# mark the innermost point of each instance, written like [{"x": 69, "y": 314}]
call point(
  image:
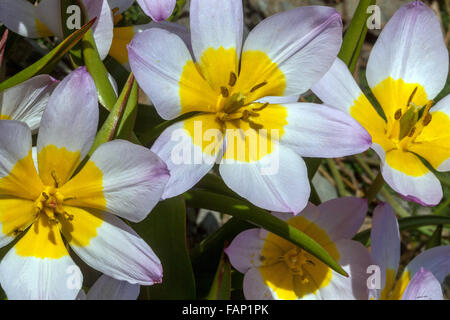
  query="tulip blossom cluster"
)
[{"x": 231, "y": 107}]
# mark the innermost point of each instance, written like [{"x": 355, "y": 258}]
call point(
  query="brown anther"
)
[
  {"x": 68, "y": 216},
  {"x": 427, "y": 119},
  {"x": 262, "y": 84},
  {"x": 411, "y": 133},
  {"x": 225, "y": 92},
  {"x": 412, "y": 96},
  {"x": 233, "y": 79},
  {"x": 262, "y": 107},
  {"x": 45, "y": 195},
  {"x": 253, "y": 125},
  {"x": 311, "y": 262},
  {"x": 17, "y": 231},
  {"x": 398, "y": 114},
  {"x": 55, "y": 178}
]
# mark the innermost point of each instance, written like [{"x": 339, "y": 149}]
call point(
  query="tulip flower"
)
[
  {"x": 44, "y": 204},
  {"x": 407, "y": 68},
  {"x": 44, "y": 20},
  {"x": 276, "y": 269},
  {"x": 240, "y": 100},
  {"x": 415, "y": 278}
]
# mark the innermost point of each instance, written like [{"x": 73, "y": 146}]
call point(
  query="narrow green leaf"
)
[
  {"x": 436, "y": 237},
  {"x": 246, "y": 211},
  {"x": 207, "y": 252},
  {"x": 76, "y": 54},
  {"x": 165, "y": 231},
  {"x": 106, "y": 94},
  {"x": 110, "y": 129},
  {"x": 47, "y": 63},
  {"x": 407, "y": 224},
  {"x": 355, "y": 35},
  {"x": 221, "y": 286}
]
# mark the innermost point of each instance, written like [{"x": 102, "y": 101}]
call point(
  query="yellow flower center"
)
[
  {"x": 408, "y": 123},
  {"x": 290, "y": 271},
  {"x": 296, "y": 259},
  {"x": 234, "y": 107},
  {"x": 50, "y": 202}
]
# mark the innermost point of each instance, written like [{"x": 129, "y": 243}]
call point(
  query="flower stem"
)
[
  {"x": 375, "y": 187},
  {"x": 337, "y": 178}
]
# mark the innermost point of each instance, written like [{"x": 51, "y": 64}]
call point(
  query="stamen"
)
[
  {"x": 253, "y": 125},
  {"x": 45, "y": 195},
  {"x": 411, "y": 96},
  {"x": 68, "y": 216},
  {"x": 233, "y": 79},
  {"x": 398, "y": 114},
  {"x": 413, "y": 130},
  {"x": 55, "y": 178},
  {"x": 262, "y": 107},
  {"x": 262, "y": 84},
  {"x": 311, "y": 262},
  {"x": 427, "y": 119},
  {"x": 225, "y": 92}
]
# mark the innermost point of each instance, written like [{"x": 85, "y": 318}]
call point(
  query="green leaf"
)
[
  {"x": 106, "y": 94},
  {"x": 207, "y": 252},
  {"x": 47, "y": 63},
  {"x": 355, "y": 35},
  {"x": 407, "y": 224},
  {"x": 76, "y": 54},
  {"x": 165, "y": 231},
  {"x": 436, "y": 237},
  {"x": 245, "y": 211},
  {"x": 120, "y": 121},
  {"x": 221, "y": 286}
]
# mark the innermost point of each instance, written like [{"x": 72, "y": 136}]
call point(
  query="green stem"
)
[
  {"x": 355, "y": 34},
  {"x": 337, "y": 178},
  {"x": 398, "y": 208},
  {"x": 375, "y": 187}
]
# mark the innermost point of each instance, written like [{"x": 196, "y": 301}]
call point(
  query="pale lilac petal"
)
[
  {"x": 303, "y": 42},
  {"x": 186, "y": 160},
  {"x": 276, "y": 182},
  {"x": 342, "y": 218},
  {"x": 19, "y": 16},
  {"x": 245, "y": 249},
  {"x": 103, "y": 26},
  {"x": 424, "y": 189},
  {"x": 132, "y": 181},
  {"x": 70, "y": 120},
  {"x": 158, "y": 69},
  {"x": 215, "y": 24},
  {"x": 115, "y": 250},
  {"x": 385, "y": 243},
  {"x": 423, "y": 286},
  {"x": 158, "y": 10},
  {"x": 338, "y": 88},
  {"x": 411, "y": 47},
  {"x": 436, "y": 260},
  {"x": 319, "y": 131},
  {"x": 27, "y": 101},
  {"x": 107, "y": 288},
  {"x": 354, "y": 259}
]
